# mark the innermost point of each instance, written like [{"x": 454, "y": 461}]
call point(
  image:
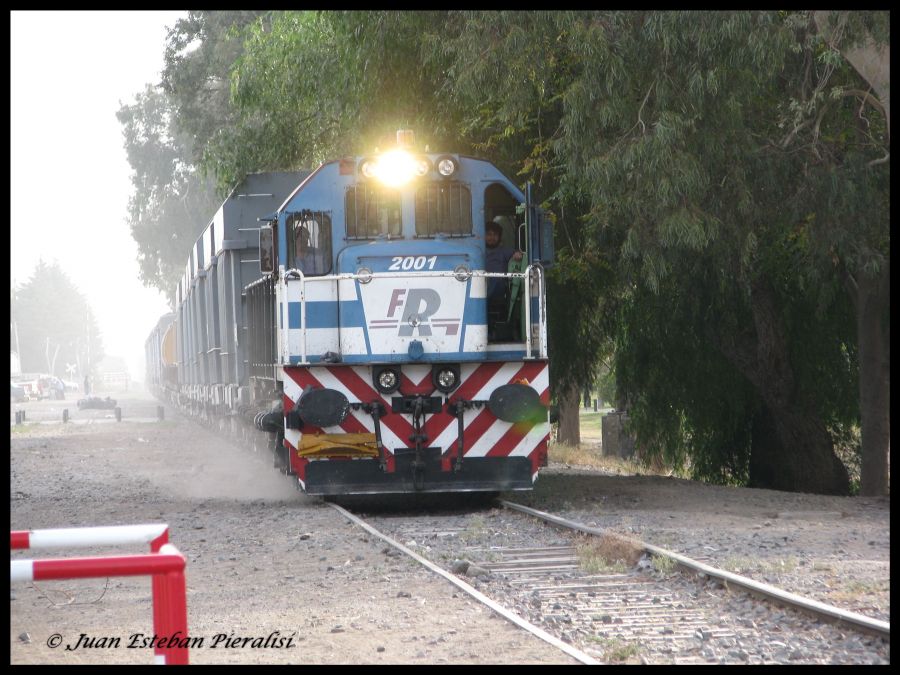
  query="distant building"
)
[{"x": 111, "y": 375}]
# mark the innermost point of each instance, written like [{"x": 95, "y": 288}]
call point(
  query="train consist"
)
[{"x": 363, "y": 321}]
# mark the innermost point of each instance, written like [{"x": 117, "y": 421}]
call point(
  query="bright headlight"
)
[
  {"x": 387, "y": 379},
  {"x": 395, "y": 168}
]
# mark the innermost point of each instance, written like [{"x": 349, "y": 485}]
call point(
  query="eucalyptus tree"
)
[
  {"x": 663, "y": 128},
  {"x": 311, "y": 86},
  {"x": 54, "y": 323},
  {"x": 171, "y": 202},
  {"x": 166, "y": 129},
  {"x": 842, "y": 123}
]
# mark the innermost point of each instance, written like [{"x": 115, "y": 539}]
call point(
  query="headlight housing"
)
[
  {"x": 367, "y": 167},
  {"x": 423, "y": 166},
  {"x": 386, "y": 379},
  {"x": 446, "y": 165},
  {"x": 445, "y": 377}
]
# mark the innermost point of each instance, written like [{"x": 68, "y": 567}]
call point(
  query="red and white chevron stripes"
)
[{"x": 484, "y": 434}]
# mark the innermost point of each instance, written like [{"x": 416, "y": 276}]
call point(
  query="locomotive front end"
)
[
  {"x": 394, "y": 374},
  {"x": 379, "y": 324}
]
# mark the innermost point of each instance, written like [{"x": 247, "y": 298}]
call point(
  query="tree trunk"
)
[
  {"x": 874, "y": 339},
  {"x": 787, "y": 454},
  {"x": 790, "y": 448},
  {"x": 569, "y": 430}
]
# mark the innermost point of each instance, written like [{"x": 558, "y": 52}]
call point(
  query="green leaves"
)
[{"x": 689, "y": 154}]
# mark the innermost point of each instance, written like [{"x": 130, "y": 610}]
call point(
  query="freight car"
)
[{"x": 360, "y": 324}]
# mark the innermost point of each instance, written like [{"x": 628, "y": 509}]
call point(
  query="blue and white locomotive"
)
[{"x": 366, "y": 345}]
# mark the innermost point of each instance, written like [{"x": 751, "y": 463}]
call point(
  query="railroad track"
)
[
  {"x": 633, "y": 614},
  {"x": 815, "y": 608}
]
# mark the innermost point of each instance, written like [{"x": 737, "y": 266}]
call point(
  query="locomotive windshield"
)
[
  {"x": 372, "y": 211},
  {"x": 443, "y": 208}
]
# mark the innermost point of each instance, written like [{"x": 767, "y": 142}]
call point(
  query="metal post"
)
[{"x": 118, "y": 414}]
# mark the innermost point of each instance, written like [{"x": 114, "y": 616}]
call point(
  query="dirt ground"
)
[{"x": 263, "y": 557}]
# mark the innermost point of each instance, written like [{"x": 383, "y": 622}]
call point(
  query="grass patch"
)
[
  {"x": 590, "y": 457},
  {"x": 615, "y": 650},
  {"x": 607, "y": 554},
  {"x": 858, "y": 591},
  {"x": 664, "y": 565},
  {"x": 740, "y": 565},
  {"x": 591, "y": 424},
  {"x": 475, "y": 529}
]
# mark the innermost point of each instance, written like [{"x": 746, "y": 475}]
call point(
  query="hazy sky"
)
[{"x": 70, "y": 180}]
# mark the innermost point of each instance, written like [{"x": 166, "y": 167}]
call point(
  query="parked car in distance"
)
[
  {"x": 16, "y": 393},
  {"x": 29, "y": 384},
  {"x": 51, "y": 387}
]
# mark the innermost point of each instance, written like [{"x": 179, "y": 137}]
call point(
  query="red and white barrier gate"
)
[{"x": 165, "y": 563}]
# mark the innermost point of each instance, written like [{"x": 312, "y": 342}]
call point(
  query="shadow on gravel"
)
[{"x": 402, "y": 504}]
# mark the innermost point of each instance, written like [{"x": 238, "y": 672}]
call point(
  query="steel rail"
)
[
  {"x": 502, "y": 611},
  {"x": 814, "y": 607}
]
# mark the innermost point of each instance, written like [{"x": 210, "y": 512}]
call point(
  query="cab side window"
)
[{"x": 310, "y": 242}]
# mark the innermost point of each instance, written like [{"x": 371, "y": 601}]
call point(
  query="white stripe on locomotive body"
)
[
  {"x": 501, "y": 377},
  {"x": 488, "y": 439},
  {"x": 530, "y": 441},
  {"x": 379, "y": 319},
  {"x": 318, "y": 340}
]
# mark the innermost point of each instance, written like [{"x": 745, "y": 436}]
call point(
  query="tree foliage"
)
[
  {"x": 171, "y": 202},
  {"x": 719, "y": 183},
  {"x": 166, "y": 129},
  {"x": 54, "y": 324}
]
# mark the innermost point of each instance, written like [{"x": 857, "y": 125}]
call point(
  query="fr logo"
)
[{"x": 416, "y": 307}]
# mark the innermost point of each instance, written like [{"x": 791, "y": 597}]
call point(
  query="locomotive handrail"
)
[
  {"x": 263, "y": 279},
  {"x": 527, "y": 302},
  {"x": 368, "y": 276}
]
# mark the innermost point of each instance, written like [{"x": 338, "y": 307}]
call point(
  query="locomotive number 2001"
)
[{"x": 412, "y": 262}]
